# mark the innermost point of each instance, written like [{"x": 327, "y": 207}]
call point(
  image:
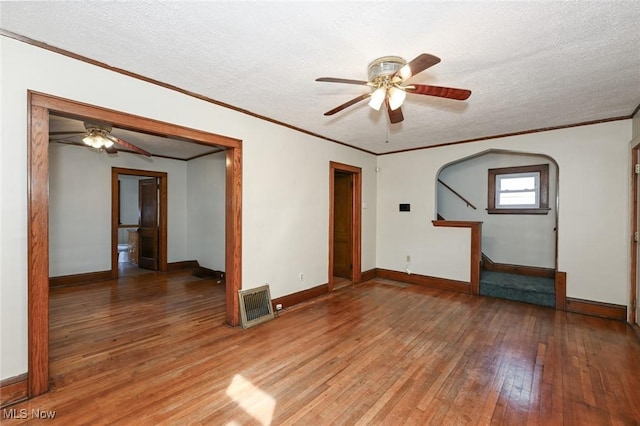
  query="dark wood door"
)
[
  {"x": 148, "y": 231},
  {"x": 342, "y": 223}
]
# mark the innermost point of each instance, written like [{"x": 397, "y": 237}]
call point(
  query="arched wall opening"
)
[{"x": 515, "y": 239}]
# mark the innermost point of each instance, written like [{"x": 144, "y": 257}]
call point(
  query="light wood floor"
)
[{"x": 152, "y": 349}]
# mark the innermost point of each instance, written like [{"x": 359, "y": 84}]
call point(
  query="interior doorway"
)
[
  {"x": 345, "y": 224},
  {"x": 40, "y": 106},
  {"x": 143, "y": 228}
]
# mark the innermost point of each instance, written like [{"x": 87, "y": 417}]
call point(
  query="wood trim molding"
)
[
  {"x": 40, "y": 105},
  {"x": 356, "y": 220},
  {"x": 300, "y": 296},
  {"x": 425, "y": 280},
  {"x": 561, "y": 290},
  {"x": 532, "y": 271},
  {"x": 182, "y": 265},
  {"x": 94, "y": 62},
  {"x": 476, "y": 248},
  {"x": 75, "y": 279},
  {"x": 14, "y": 389},
  {"x": 598, "y": 309},
  {"x": 368, "y": 275},
  {"x": 506, "y": 135}
]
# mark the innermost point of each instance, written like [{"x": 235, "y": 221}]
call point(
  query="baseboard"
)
[
  {"x": 598, "y": 309},
  {"x": 89, "y": 277},
  {"x": 13, "y": 390},
  {"x": 425, "y": 280},
  {"x": 184, "y": 264},
  {"x": 300, "y": 296},
  {"x": 368, "y": 275},
  {"x": 532, "y": 271}
]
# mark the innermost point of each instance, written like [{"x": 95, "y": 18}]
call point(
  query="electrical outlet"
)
[
  {"x": 408, "y": 258},
  {"x": 278, "y": 306},
  {"x": 301, "y": 276}
]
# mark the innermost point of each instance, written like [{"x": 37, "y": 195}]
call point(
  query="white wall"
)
[
  {"x": 593, "y": 166},
  {"x": 285, "y": 181},
  {"x": 513, "y": 239},
  {"x": 129, "y": 199},
  {"x": 206, "y": 177},
  {"x": 80, "y": 207}
]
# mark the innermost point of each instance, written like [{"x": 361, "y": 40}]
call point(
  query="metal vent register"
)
[{"x": 255, "y": 306}]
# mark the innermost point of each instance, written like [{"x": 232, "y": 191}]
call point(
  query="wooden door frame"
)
[
  {"x": 633, "y": 270},
  {"x": 40, "y": 105},
  {"x": 115, "y": 212},
  {"x": 356, "y": 219}
]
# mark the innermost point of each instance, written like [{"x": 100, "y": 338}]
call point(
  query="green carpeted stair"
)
[{"x": 522, "y": 288}]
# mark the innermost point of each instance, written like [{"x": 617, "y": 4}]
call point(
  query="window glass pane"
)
[
  {"x": 524, "y": 198},
  {"x": 518, "y": 184}
]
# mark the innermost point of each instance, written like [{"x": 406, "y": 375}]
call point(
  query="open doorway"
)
[
  {"x": 40, "y": 107},
  {"x": 138, "y": 221},
  {"x": 345, "y": 222}
]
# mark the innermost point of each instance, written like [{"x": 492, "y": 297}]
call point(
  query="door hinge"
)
[
  {"x": 637, "y": 168},
  {"x": 636, "y": 236}
]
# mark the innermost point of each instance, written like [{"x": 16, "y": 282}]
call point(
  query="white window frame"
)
[{"x": 535, "y": 189}]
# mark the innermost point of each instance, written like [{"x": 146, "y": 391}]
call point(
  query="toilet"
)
[{"x": 123, "y": 253}]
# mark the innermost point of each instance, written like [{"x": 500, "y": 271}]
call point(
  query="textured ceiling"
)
[{"x": 530, "y": 65}]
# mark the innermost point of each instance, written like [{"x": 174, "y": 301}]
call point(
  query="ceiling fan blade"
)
[
  {"x": 342, "y": 80},
  {"x": 395, "y": 116},
  {"x": 130, "y": 146},
  {"x": 111, "y": 150},
  {"x": 348, "y": 104},
  {"x": 441, "y": 92},
  {"x": 419, "y": 64}
]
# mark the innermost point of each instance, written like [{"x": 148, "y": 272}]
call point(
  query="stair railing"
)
[{"x": 467, "y": 202}]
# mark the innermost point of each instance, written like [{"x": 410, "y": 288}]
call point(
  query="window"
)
[{"x": 519, "y": 190}]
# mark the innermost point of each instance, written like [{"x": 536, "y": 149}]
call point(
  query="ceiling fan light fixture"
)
[
  {"x": 377, "y": 98},
  {"x": 396, "y": 98},
  {"x": 97, "y": 140}
]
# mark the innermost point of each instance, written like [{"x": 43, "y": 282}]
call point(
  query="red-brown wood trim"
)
[
  {"x": 425, "y": 280},
  {"x": 300, "y": 296},
  {"x": 75, "y": 279},
  {"x": 85, "y": 59},
  {"x": 14, "y": 389},
  {"x": 368, "y": 275},
  {"x": 561, "y": 290},
  {"x": 356, "y": 220},
  {"x": 532, "y": 271},
  {"x": 598, "y": 309},
  {"x": 476, "y": 248},
  {"x": 40, "y": 105},
  {"x": 182, "y": 265},
  {"x": 506, "y": 135},
  {"x": 633, "y": 244},
  {"x": 233, "y": 230},
  {"x": 38, "y": 248},
  {"x": 115, "y": 208}
]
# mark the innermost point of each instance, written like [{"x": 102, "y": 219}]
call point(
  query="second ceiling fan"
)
[
  {"x": 98, "y": 135},
  {"x": 387, "y": 76}
]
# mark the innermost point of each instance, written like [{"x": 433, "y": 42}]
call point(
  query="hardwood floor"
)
[{"x": 152, "y": 349}]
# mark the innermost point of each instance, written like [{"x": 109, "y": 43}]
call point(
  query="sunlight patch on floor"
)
[{"x": 252, "y": 400}]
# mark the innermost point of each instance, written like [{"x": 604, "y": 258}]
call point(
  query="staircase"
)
[{"x": 521, "y": 288}]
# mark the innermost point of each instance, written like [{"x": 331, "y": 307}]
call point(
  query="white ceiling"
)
[{"x": 530, "y": 65}]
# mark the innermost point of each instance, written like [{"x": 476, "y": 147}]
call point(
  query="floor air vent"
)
[{"x": 255, "y": 306}]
